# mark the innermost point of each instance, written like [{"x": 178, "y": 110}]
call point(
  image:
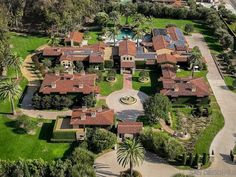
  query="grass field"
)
[
  {"x": 15, "y": 145},
  {"x": 107, "y": 87},
  {"x": 23, "y": 45},
  {"x": 186, "y": 73},
  {"x": 148, "y": 88}
]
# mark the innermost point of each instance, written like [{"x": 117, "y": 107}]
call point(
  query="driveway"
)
[{"x": 225, "y": 139}]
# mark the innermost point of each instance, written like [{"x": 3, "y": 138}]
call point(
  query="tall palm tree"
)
[
  {"x": 112, "y": 33},
  {"x": 132, "y": 152},
  {"x": 16, "y": 62},
  {"x": 10, "y": 89},
  {"x": 195, "y": 60}
]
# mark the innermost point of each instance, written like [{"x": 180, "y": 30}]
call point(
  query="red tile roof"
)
[
  {"x": 166, "y": 58},
  {"x": 74, "y": 57},
  {"x": 128, "y": 127},
  {"x": 94, "y": 58},
  {"x": 74, "y": 36},
  {"x": 127, "y": 47},
  {"x": 127, "y": 64},
  {"x": 102, "y": 117},
  {"x": 67, "y": 83},
  {"x": 172, "y": 32},
  {"x": 185, "y": 87},
  {"x": 159, "y": 42},
  {"x": 168, "y": 71},
  {"x": 57, "y": 51}
]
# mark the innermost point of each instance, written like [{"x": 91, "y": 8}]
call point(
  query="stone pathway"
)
[{"x": 127, "y": 81}]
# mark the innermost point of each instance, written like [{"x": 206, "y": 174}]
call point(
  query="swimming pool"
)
[{"x": 124, "y": 33}]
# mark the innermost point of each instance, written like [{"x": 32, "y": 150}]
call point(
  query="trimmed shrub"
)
[
  {"x": 196, "y": 160},
  {"x": 26, "y": 123},
  {"x": 205, "y": 159},
  {"x": 190, "y": 160},
  {"x": 109, "y": 64},
  {"x": 100, "y": 139},
  {"x": 82, "y": 156},
  {"x": 184, "y": 159}
]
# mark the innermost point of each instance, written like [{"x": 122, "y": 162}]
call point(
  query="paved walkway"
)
[
  {"x": 223, "y": 142},
  {"x": 126, "y": 112}
]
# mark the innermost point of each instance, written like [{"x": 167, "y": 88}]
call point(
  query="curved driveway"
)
[{"x": 222, "y": 143}]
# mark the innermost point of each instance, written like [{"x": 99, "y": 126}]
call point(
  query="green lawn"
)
[
  {"x": 15, "y": 145},
  {"x": 26, "y": 44},
  {"x": 229, "y": 82},
  {"x": 93, "y": 37},
  {"x": 148, "y": 88},
  {"x": 101, "y": 103},
  {"x": 107, "y": 87},
  {"x": 186, "y": 73},
  {"x": 23, "y": 45},
  {"x": 217, "y": 123}
]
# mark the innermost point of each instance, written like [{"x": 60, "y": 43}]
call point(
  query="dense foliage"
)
[
  {"x": 99, "y": 140},
  {"x": 77, "y": 165},
  {"x": 51, "y": 101},
  {"x": 157, "y": 107},
  {"x": 161, "y": 144}
]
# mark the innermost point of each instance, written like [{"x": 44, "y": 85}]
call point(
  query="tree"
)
[
  {"x": 100, "y": 140},
  {"x": 112, "y": 33},
  {"x": 130, "y": 152},
  {"x": 36, "y": 101},
  {"x": 226, "y": 40},
  {"x": 47, "y": 63},
  {"x": 82, "y": 170},
  {"x": 128, "y": 9},
  {"x": 11, "y": 90},
  {"x": 157, "y": 107},
  {"x": 109, "y": 64},
  {"x": 26, "y": 123},
  {"x": 189, "y": 28},
  {"x": 195, "y": 60},
  {"x": 114, "y": 17},
  {"x": 173, "y": 148},
  {"x": 102, "y": 18},
  {"x": 111, "y": 75},
  {"x": 82, "y": 156},
  {"x": 234, "y": 84},
  {"x": 143, "y": 74},
  {"x": 89, "y": 100},
  {"x": 79, "y": 66},
  {"x": 15, "y": 61}
]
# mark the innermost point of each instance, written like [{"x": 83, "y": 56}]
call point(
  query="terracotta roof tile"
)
[
  {"x": 128, "y": 127},
  {"x": 74, "y": 36},
  {"x": 127, "y": 47},
  {"x": 66, "y": 83},
  {"x": 166, "y": 58},
  {"x": 102, "y": 117},
  {"x": 159, "y": 42},
  {"x": 127, "y": 64}
]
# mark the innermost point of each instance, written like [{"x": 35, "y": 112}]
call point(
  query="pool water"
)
[{"x": 124, "y": 33}]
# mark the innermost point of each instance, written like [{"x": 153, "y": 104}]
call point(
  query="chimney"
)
[
  {"x": 99, "y": 109},
  {"x": 93, "y": 114},
  {"x": 83, "y": 116},
  {"x": 81, "y": 86},
  {"x": 194, "y": 89},
  {"x": 53, "y": 85},
  {"x": 176, "y": 88},
  {"x": 70, "y": 71},
  {"x": 57, "y": 72},
  {"x": 84, "y": 108}
]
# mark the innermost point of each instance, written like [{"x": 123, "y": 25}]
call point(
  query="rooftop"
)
[{"x": 129, "y": 127}]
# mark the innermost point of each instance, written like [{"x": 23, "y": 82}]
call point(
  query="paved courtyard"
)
[{"x": 126, "y": 112}]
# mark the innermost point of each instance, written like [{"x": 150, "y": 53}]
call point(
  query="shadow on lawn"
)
[
  {"x": 15, "y": 128},
  {"x": 46, "y": 131}
]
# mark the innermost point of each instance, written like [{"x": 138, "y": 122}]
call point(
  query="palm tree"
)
[
  {"x": 16, "y": 62},
  {"x": 195, "y": 60},
  {"x": 10, "y": 89},
  {"x": 112, "y": 33},
  {"x": 114, "y": 17},
  {"x": 132, "y": 152}
]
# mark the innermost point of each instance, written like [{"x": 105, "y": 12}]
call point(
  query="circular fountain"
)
[{"x": 128, "y": 100}]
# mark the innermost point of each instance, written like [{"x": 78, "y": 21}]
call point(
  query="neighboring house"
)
[
  {"x": 74, "y": 127},
  {"x": 129, "y": 129},
  {"x": 67, "y": 56},
  {"x": 74, "y": 38},
  {"x": 61, "y": 83},
  {"x": 194, "y": 90}
]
